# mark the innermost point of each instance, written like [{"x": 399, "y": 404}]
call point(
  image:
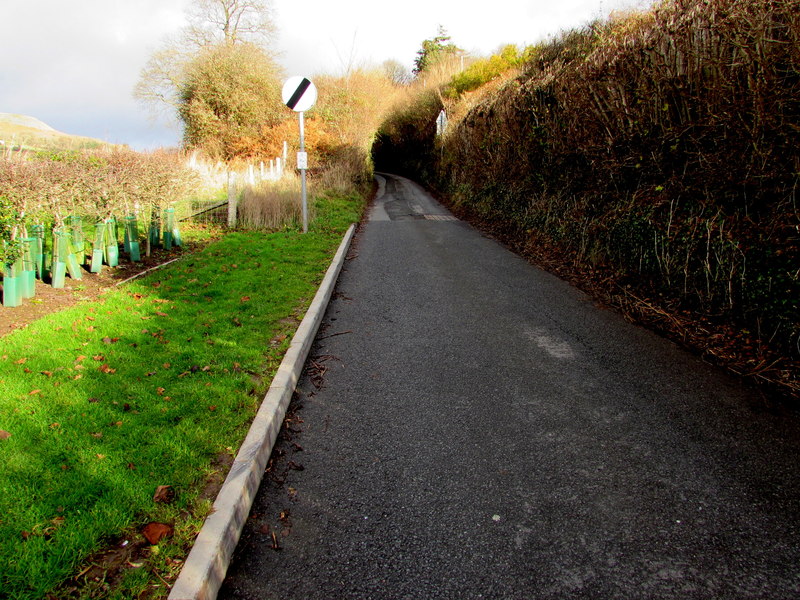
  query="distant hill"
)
[{"x": 22, "y": 131}]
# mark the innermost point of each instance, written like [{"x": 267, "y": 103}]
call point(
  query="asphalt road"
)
[{"x": 483, "y": 430}]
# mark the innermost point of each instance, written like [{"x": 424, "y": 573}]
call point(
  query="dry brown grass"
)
[{"x": 272, "y": 205}]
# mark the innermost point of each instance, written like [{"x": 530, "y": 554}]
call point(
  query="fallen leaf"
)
[
  {"x": 131, "y": 466},
  {"x": 164, "y": 493},
  {"x": 166, "y": 365},
  {"x": 162, "y": 314},
  {"x": 106, "y": 369},
  {"x": 34, "y": 392},
  {"x": 21, "y": 361},
  {"x": 245, "y": 298},
  {"x": 4, "y": 435},
  {"x": 90, "y": 318},
  {"x": 100, "y": 456},
  {"x": 97, "y": 435},
  {"x": 110, "y": 340},
  {"x": 80, "y": 358},
  {"x": 90, "y": 328},
  {"x": 94, "y": 400},
  {"x": 55, "y": 425},
  {"x": 150, "y": 374},
  {"x": 155, "y": 532},
  {"x": 206, "y": 369},
  {"x": 212, "y": 408},
  {"x": 99, "y": 357},
  {"x": 160, "y": 301},
  {"x": 47, "y": 373},
  {"x": 161, "y": 391}
]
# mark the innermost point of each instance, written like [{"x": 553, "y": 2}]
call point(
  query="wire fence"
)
[{"x": 204, "y": 212}]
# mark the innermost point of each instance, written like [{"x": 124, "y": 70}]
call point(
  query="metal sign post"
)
[
  {"x": 302, "y": 164},
  {"x": 299, "y": 94}
]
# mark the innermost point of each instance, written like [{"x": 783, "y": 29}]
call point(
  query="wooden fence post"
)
[{"x": 231, "y": 199}]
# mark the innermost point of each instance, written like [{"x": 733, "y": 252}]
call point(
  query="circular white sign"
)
[{"x": 299, "y": 93}]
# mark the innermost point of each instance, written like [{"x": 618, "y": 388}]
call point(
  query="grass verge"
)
[{"x": 155, "y": 385}]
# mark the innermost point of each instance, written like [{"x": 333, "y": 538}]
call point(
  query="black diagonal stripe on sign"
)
[{"x": 298, "y": 93}]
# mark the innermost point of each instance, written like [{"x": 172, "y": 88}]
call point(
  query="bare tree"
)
[
  {"x": 160, "y": 79},
  {"x": 210, "y": 23},
  {"x": 396, "y": 72},
  {"x": 230, "y": 21}
]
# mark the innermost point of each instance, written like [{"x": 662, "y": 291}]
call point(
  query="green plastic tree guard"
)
[
  {"x": 27, "y": 278},
  {"x": 176, "y": 236},
  {"x": 60, "y": 257},
  {"x": 169, "y": 223},
  {"x": 98, "y": 247},
  {"x": 78, "y": 241},
  {"x": 10, "y": 287},
  {"x": 10, "y": 295},
  {"x": 112, "y": 244},
  {"x": 132, "y": 238},
  {"x": 37, "y": 232},
  {"x": 155, "y": 234},
  {"x": 73, "y": 266},
  {"x": 126, "y": 238}
]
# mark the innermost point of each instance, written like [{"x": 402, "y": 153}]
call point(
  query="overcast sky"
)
[{"x": 74, "y": 63}]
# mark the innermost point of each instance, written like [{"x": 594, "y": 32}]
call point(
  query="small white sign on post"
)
[{"x": 300, "y": 94}]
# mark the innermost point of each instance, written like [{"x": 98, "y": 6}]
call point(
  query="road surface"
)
[{"x": 484, "y": 430}]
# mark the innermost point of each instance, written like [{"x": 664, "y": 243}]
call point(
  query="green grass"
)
[{"x": 108, "y": 400}]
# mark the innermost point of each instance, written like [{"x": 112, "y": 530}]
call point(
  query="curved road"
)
[{"x": 483, "y": 430}]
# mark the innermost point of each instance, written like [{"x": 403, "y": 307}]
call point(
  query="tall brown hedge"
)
[{"x": 662, "y": 147}]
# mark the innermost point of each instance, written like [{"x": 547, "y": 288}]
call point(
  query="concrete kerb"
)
[{"x": 207, "y": 563}]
